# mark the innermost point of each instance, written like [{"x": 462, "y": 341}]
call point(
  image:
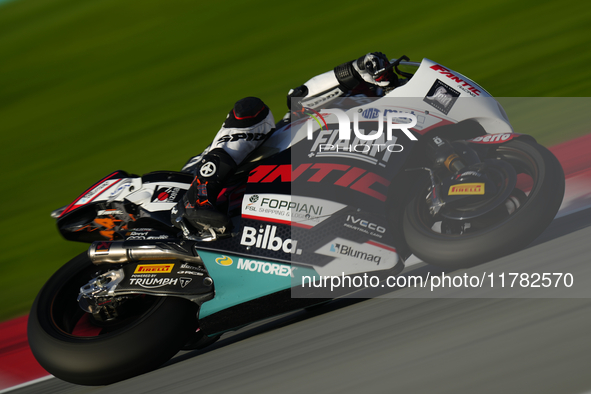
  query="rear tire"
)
[
  {"x": 145, "y": 338},
  {"x": 504, "y": 236}
]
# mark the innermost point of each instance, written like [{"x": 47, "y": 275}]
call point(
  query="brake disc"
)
[{"x": 504, "y": 176}]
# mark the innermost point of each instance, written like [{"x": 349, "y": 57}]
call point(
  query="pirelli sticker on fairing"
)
[
  {"x": 467, "y": 189},
  {"x": 153, "y": 269}
]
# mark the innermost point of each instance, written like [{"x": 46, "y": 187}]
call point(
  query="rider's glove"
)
[{"x": 371, "y": 69}]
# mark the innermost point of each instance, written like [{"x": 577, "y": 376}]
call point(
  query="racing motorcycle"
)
[{"x": 439, "y": 174}]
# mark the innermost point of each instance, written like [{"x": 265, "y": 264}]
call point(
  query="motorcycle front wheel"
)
[
  {"x": 532, "y": 206},
  {"x": 76, "y": 347}
]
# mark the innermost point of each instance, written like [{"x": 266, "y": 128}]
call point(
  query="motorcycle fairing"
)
[
  {"x": 361, "y": 180},
  {"x": 497, "y": 139},
  {"x": 165, "y": 278},
  {"x": 115, "y": 204},
  {"x": 329, "y": 230},
  {"x": 473, "y": 102},
  {"x": 293, "y": 210},
  {"x": 94, "y": 215},
  {"x": 342, "y": 197},
  {"x": 241, "y": 279},
  {"x": 99, "y": 190}
]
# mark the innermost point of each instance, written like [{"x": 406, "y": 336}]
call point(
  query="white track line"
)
[{"x": 29, "y": 383}]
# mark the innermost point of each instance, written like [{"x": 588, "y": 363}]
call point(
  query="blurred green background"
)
[{"x": 88, "y": 87}]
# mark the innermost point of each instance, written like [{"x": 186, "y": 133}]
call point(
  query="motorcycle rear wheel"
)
[
  {"x": 504, "y": 232},
  {"x": 74, "y": 347}
]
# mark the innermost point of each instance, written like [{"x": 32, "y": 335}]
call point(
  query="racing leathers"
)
[
  {"x": 250, "y": 122},
  {"x": 245, "y": 127}
]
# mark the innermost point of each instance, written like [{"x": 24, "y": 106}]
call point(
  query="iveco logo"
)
[{"x": 366, "y": 224}]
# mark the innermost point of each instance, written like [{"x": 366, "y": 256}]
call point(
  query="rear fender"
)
[
  {"x": 120, "y": 202},
  {"x": 485, "y": 143}
]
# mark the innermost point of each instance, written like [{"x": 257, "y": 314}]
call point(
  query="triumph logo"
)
[
  {"x": 185, "y": 281},
  {"x": 152, "y": 283}
]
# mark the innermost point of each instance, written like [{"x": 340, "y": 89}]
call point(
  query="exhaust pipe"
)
[{"x": 118, "y": 252}]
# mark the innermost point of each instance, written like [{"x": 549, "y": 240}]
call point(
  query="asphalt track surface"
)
[{"x": 412, "y": 345}]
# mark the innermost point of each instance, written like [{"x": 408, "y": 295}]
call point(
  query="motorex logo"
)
[
  {"x": 408, "y": 122},
  {"x": 224, "y": 261}
]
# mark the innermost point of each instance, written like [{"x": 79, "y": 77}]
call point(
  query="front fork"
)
[
  {"x": 455, "y": 157},
  {"x": 448, "y": 160}
]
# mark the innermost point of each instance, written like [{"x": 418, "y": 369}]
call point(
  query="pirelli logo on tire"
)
[
  {"x": 467, "y": 189},
  {"x": 153, "y": 269}
]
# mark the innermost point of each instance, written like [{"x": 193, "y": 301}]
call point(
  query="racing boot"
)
[
  {"x": 247, "y": 125},
  {"x": 198, "y": 205}
]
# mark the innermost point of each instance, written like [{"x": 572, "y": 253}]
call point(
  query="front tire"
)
[
  {"x": 504, "y": 233},
  {"x": 70, "y": 345}
]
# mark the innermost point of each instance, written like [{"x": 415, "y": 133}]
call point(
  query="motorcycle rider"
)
[{"x": 250, "y": 122}]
